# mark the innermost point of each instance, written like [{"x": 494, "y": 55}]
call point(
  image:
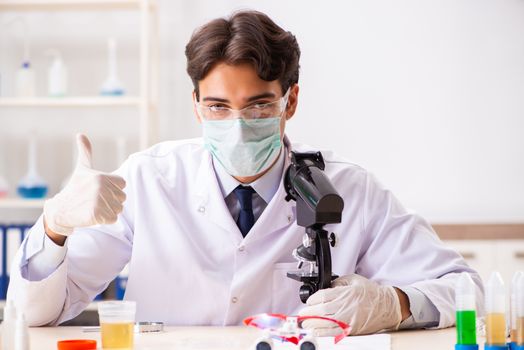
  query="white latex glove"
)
[
  {"x": 366, "y": 306},
  {"x": 91, "y": 197}
]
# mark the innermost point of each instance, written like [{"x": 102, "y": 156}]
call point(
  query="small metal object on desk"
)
[
  {"x": 91, "y": 329},
  {"x": 149, "y": 327},
  {"x": 140, "y": 327}
]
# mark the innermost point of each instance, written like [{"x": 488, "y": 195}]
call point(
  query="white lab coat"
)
[{"x": 190, "y": 265}]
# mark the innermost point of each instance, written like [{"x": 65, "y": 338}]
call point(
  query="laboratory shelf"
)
[
  {"x": 96, "y": 101},
  {"x": 146, "y": 103},
  {"x": 69, "y": 5},
  {"x": 20, "y": 203}
]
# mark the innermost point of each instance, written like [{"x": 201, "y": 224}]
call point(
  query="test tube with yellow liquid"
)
[
  {"x": 520, "y": 314},
  {"x": 513, "y": 310},
  {"x": 117, "y": 320},
  {"x": 495, "y": 313}
]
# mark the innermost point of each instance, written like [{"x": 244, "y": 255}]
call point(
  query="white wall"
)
[{"x": 428, "y": 95}]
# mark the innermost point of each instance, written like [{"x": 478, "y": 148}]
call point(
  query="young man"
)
[{"x": 204, "y": 225}]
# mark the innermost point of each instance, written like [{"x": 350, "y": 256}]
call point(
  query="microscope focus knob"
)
[
  {"x": 332, "y": 239},
  {"x": 305, "y": 292}
]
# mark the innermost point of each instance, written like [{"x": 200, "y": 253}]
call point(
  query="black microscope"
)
[{"x": 318, "y": 204}]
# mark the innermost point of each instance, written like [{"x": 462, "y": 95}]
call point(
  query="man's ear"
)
[
  {"x": 292, "y": 101},
  {"x": 193, "y": 97}
]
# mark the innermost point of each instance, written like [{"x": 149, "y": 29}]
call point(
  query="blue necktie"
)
[{"x": 246, "y": 218}]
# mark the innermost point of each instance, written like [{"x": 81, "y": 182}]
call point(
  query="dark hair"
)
[{"x": 244, "y": 37}]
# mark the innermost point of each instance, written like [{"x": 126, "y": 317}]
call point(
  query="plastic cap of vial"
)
[
  {"x": 514, "y": 287},
  {"x": 77, "y": 344},
  {"x": 465, "y": 292},
  {"x": 495, "y": 294}
]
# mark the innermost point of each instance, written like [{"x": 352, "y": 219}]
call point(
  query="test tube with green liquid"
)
[{"x": 465, "y": 313}]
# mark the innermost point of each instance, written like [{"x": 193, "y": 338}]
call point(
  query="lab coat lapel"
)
[
  {"x": 211, "y": 202},
  {"x": 279, "y": 213}
]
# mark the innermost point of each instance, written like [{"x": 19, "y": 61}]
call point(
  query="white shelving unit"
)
[
  {"x": 20, "y": 203},
  {"x": 70, "y": 102},
  {"x": 66, "y": 5},
  {"x": 146, "y": 103}
]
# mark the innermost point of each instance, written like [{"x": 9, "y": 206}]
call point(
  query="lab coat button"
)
[
  {"x": 241, "y": 248},
  {"x": 290, "y": 218},
  {"x": 202, "y": 209},
  {"x": 234, "y": 300}
]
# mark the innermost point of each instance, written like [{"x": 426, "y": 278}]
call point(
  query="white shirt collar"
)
[{"x": 266, "y": 186}]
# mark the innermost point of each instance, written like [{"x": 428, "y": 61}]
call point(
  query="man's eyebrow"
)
[
  {"x": 261, "y": 96},
  {"x": 215, "y": 99},
  {"x": 250, "y": 99}
]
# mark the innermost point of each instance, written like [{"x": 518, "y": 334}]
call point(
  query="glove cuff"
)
[
  {"x": 395, "y": 308},
  {"x": 50, "y": 218}
]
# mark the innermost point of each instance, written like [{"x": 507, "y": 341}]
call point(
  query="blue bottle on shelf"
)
[{"x": 32, "y": 185}]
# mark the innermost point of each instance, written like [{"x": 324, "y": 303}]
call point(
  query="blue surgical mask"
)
[{"x": 244, "y": 147}]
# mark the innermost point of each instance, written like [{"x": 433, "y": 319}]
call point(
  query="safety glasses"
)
[
  {"x": 275, "y": 325},
  {"x": 255, "y": 111}
]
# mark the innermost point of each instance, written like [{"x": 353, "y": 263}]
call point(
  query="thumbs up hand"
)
[{"x": 90, "y": 198}]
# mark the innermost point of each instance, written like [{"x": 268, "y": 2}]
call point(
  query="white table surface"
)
[{"x": 230, "y": 338}]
